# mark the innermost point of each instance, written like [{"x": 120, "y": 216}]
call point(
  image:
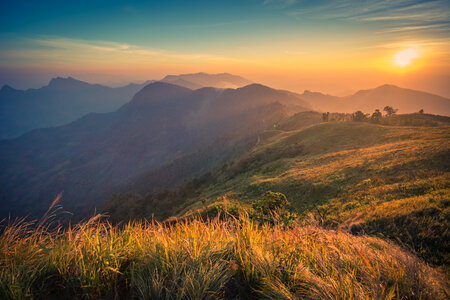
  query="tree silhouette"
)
[
  {"x": 390, "y": 110},
  {"x": 325, "y": 117},
  {"x": 376, "y": 116},
  {"x": 359, "y": 116}
]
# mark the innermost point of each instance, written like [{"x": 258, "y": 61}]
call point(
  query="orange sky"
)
[{"x": 336, "y": 47}]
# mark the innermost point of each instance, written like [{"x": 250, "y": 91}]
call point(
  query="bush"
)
[{"x": 272, "y": 208}]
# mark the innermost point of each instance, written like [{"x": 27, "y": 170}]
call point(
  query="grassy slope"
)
[
  {"x": 232, "y": 259},
  {"x": 385, "y": 180}
]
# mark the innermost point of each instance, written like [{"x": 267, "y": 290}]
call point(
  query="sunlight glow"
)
[{"x": 404, "y": 57}]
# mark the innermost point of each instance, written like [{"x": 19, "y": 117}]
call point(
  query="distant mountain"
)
[
  {"x": 163, "y": 125},
  {"x": 199, "y": 80},
  {"x": 62, "y": 101},
  {"x": 406, "y": 100}
]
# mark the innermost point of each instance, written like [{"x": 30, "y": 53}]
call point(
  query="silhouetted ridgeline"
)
[{"x": 62, "y": 101}]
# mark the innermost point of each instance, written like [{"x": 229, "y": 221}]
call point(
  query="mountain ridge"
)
[
  {"x": 61, "y": 101},
  {"x": 404, "y": 99}
]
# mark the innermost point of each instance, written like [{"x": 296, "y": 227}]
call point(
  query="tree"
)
[
  {"x": 421, "y": 111},
  {"x": 325, "y": 117},
  {"x": 359, "y": 116},
  {"x": 390, "y": 110},
  {"x": 376, "y": 116}
]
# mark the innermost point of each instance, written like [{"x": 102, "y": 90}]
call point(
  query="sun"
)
[{"x": 404, "y": 57}]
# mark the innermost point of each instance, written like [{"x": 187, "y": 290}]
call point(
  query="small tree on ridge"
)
[{"x": 390, "y": 110}]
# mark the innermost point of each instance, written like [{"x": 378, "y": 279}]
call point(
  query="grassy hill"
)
[{"x": 384, "y": 180}]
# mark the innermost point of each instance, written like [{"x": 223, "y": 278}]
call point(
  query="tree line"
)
[{"x": 359, "y": 116}]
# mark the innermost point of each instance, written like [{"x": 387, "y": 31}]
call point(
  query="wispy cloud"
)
[
  {"x": 404, "y": 11},
  {"x": 280, "y": 3},
  {"x": 387, "y": 19},
  {"x": 66, "y": 50},
  {"x": 416, "y": 28}
]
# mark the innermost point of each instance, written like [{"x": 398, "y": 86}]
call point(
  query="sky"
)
[{"x": 336, "y": 47}]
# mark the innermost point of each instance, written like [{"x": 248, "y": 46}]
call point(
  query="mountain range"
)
[
  {"x": 168, "y": 133},
  {"x": 162, "y": 124},
  {"x": 62, "y": 101},
  {"x": 405, "y": 100}
]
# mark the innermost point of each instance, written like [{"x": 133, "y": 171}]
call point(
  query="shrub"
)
[{"x": 272, "y": 208}]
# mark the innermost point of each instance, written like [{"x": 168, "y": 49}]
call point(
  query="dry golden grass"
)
[{"x": 218, "y": 259}]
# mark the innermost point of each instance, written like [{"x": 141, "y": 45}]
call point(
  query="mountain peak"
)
[
  {"x": 256, "y": 87},
  {"x": 201, "y": 79},
  {"x": 387, "y": 86},
  {"x": 311, "y": 93},
  {"x": 161, "y": 85},
  {"x": 68, "y": 82},
  {"x": 157, "y": 92},
  {"x": 6, "y": 88}
]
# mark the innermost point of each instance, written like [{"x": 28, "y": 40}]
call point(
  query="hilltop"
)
[{"x": 199, "y": 80}]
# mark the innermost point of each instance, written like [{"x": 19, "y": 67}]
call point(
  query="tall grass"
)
[{"x": 215, "y": 259}]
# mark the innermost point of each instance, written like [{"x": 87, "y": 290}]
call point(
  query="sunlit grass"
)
[
  {"x": 213, "y": 259},
  {"x": 340, "y": 171}
]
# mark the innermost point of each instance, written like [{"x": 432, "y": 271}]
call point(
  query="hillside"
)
[
  {"x": 62, "y": 101},
  {"x": 99, "y": 153},
  {"x": 359, "y": 177},
  {"x": 405, "y": 100}
]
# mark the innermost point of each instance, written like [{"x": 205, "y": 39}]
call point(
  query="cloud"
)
[
  {"x": 373, "y": 11},
  {"x": 67, "y": 51},
  {"x": 391, "y": 18},
  {"x": 280, "y": 3},
  {"x": 416, "y": 28}
]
